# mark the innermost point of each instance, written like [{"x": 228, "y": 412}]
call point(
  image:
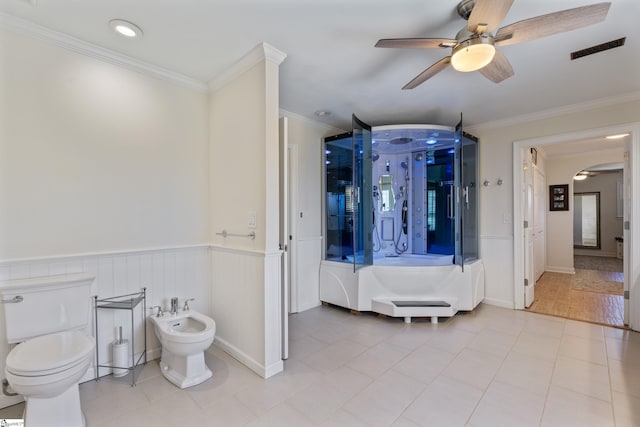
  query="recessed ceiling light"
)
[
  {"x": 322, "y": 113},
  {"x": 621, "y": 135},
  {"x": 125, "y": 28},
  {"x": 580, "y": 177}
]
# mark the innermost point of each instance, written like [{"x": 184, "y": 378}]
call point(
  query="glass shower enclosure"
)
[{"x": 417, "y": 187}]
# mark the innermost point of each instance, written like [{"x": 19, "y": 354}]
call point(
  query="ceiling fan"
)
[{"x": 474, "y": 47}]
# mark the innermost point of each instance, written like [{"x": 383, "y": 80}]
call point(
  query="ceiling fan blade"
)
[
  {"x": 428, "y": 73},
  {"x": 498, "y": 69},
  {"x": 552, "y": 23},
  {"x": 417, "y": 43},
  {"x": 487, "y": 14}
]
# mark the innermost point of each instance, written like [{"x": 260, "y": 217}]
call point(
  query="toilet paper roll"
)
[{"x": 120, "y": 357}]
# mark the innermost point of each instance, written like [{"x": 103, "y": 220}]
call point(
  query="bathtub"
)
[{"x": 427, "y": 286}]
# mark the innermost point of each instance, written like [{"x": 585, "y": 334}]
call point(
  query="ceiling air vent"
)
[{"x": 597, "y": 48}]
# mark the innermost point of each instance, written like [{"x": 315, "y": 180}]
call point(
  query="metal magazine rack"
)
[{"x": 124, "y": 302}]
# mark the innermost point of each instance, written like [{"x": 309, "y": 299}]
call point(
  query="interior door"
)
[
  {"x": 528, "y": 238},
  {"x": 284, "y": 232},
  {"x": 626, "y": 233},
  {"x": 362, "y": 195},
  {"x": 539, "y": 222}
]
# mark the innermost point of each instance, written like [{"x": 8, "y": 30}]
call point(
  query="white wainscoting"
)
[
  {"x": 165, "y": 272},
  {"x": 496, "y": 253},
  {"x": 309, "y": 258},
  {"x": 245, "y": 297}
]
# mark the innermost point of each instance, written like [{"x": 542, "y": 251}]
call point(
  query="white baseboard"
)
[
  {"x": 248, "y": 361},
  {"x": 309, "y": 306},
  {"x": 555, "y": 269},
  {"x": 498, "y": 303},
  {"x": 598, "y": 253}
]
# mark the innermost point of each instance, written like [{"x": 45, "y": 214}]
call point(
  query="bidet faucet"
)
[
  {"x": 174, "y": 305},
  {"x": 186, "y": 304},
  {"x": 160, "y": 312}
]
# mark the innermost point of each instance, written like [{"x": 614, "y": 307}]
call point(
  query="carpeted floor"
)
[{"x": 599, "y": 263}]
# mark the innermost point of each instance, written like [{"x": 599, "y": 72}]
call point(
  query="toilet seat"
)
[{"x": 49, "y": 354}]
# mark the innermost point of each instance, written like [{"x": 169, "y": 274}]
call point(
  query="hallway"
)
[{"x": 594, "y": 294}]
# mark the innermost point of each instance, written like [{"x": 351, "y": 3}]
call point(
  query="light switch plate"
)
[{"x": 251, "y": 220}]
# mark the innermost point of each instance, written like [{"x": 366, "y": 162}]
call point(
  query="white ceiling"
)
[{"x": 332, "y": 63}]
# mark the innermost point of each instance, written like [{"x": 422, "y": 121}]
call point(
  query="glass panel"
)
[
  {"x": 457, "y": 145},
  {"x": 339, "y": 202},
  {"x": 469, "y": 202},
  {"x": 362, "y": 194},
  {"x": 440, "y": 202},
  {"x": 466, "y": 189}
]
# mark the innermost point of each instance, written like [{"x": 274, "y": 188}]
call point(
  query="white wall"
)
[
  {"x": 244, "y": 171},
  {"x": 561, "y": 170},
  {"x": 496, "y": 160},
  {"x": 94, "y": 157},
  {"x": 308, "y": 138},
  {"x": 102, "y": 170}
]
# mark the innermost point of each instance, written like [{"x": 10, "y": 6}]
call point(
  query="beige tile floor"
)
[{"x": 493, "y": 367}]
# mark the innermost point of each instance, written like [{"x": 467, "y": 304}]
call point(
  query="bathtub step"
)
[{"x": 408, "y": 308}]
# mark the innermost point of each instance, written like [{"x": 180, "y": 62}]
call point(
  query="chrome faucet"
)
[
  {"x": 160, "y": 312},
  {"x": 174, "y": 305},
  {"x": 186, "y": 304}
]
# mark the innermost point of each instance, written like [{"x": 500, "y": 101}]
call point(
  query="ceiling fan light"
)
[{"x": 473, "y": 54}]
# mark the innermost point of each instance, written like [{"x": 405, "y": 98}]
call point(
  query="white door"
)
[
  {"x": 284, "y": 232},
  {"x": 294, "y": 217},
  {"x": 528, "y": 237},
  {"x": 626, "y": 234},
  {"x": 539, "y": 222}
]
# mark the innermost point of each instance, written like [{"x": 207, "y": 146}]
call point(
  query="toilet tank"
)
[{"x": 44, "y": 305}]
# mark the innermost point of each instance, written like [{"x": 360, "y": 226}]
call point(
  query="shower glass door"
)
[
  {"x": 466, "y": 196},
  {"x": 361, "y": 195}
]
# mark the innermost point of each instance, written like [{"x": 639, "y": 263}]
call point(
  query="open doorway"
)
[
  {"x": 559, "y": 257},
  {"x": 594, "y": 291}
]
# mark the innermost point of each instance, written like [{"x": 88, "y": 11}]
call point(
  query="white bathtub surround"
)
[{"x": 375, "y": 287}]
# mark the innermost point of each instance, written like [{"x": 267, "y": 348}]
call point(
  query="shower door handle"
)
[
  {"x": 450, "y": 202},
  {"x": 465, "y": 192}
]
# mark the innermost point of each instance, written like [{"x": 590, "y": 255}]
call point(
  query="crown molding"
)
[
  {"x": 313, "y": 123},
  {"x": 262, "y": 52},
  {"x": 554, "y": 112},
  {"x": 76, "y": 45}
]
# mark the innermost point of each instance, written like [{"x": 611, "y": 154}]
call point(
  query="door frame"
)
[
  {"x": 294, "y": 178},
  {"x": 631, "y": 235}
]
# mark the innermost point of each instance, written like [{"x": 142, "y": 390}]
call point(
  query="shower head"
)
[
  {"x": 375, "y": 156},
  {"x": 404, "y": 165}
]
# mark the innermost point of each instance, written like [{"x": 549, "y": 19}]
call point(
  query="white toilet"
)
[
  {"x": 47, "y": 316},
  {"x": 184, "y": 337}
]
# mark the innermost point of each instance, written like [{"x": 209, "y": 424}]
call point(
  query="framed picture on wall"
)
[{"x": 559, "y": 197}]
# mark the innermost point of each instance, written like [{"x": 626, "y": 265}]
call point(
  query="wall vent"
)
[{"x": 597, "y": 48}]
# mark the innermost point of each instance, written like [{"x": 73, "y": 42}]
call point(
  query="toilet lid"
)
[{"x": 49, "y": 354}]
